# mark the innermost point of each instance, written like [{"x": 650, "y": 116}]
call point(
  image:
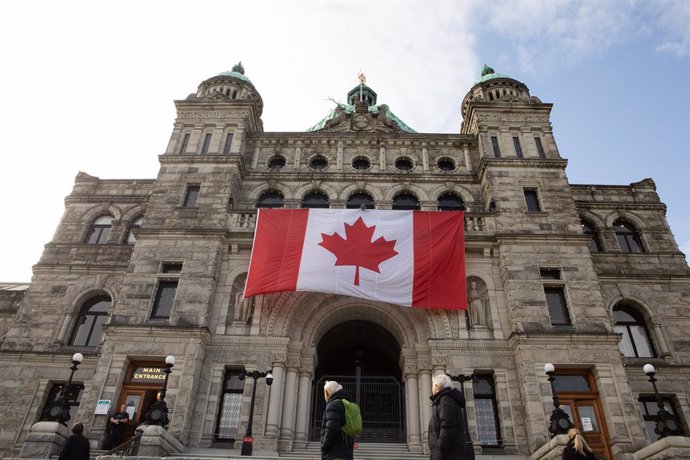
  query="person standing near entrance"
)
[
  {"x": 77, "y": 446},
  {"x": 446, "y": 426},
  {"x": 577, "y": 448},
  {"x": 335, "y": 445},
  {"x": 117, "y": 426}
]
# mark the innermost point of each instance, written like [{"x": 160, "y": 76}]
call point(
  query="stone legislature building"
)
[{"x": 586, "y": 277}]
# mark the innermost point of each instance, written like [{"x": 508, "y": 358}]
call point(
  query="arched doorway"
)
[{"x": 364, "y": 358}]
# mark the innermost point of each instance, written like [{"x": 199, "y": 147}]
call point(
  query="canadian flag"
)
[{"x": 411, "y": 258}]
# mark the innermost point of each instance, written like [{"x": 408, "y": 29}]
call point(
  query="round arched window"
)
[
  {"x": 405, "y": 201},
  {"x": 99, "y": 230},
  {"x": 276, "y": 163},
  {"x": 450, "y": 202},
  {"x": 589, "y": 230},
  {"x": 361, "y": 163},
  {"x": 318, "y": 163},
  {"x": 88, "y": 329},
  {"x": 446, "y": 164},
  {"x": 404, "y": 164},
  {"x": 315, "y": 200},
  {"x": 271, "y": 199},
  {"x": 628, "y": 239},
  {"x": 630, "y": 324},
  {"x": 357, "y": 200}
]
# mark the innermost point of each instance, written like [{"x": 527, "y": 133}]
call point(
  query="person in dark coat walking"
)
[
  {"x": 335, "y": 444},
  {"x": 577, "y": 448},
  {"x": 446, "y": 426},
  {"x": 77, "y": 446}
]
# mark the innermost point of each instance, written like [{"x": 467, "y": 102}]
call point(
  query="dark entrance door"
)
[{"x": 363, "y": 357}]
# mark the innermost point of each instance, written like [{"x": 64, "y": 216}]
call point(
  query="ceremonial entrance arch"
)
[{"x": 364, "y": 346}]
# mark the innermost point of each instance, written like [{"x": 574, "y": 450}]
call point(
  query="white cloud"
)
[{"x": 673, "y": 19}]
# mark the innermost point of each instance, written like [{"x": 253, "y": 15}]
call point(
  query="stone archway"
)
[{"x": 364, "y": 358}]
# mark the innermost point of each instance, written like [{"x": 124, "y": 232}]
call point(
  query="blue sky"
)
[{"x": 89, "y": 86}]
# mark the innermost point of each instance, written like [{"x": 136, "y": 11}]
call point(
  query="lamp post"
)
[
  {"x": 58, "y": 410},
  {"x": 248, "y": 440},
  {"x": 665, "y": 423},
  {"x": 467, "y": 439},
  {"x": 560, "y": 422},
  {"x": 158, "y": 413}
]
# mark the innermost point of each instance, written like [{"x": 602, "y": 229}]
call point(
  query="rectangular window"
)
[
  {"x": 73, "y": 393},
  {"x": 230, "y": 407},
  {"x": 165, "y": 297},
  {"x": 497, "y": 149},
  {"x": 171, "y": 267},
  {"x": 650, "y": 409},
  {"x": 228, "y": 144},
  {"x": 532, "y": 199},
  {"x": 518, "y": 147},
  {"x": 183, "y": 146},
  {"x": 486, "y": 411},
  {"x": 190, "y": 196},
  {"x": 558, "y": 309},
  {"x": 540, "y": 148},
  {"x": 550, "y": 273},
  {"x": 207, "y": 142}
]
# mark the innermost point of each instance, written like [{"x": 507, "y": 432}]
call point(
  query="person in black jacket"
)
[
  {"x": 335, "y": 444},
  {"x": 577, "y": 448},
  {"x": 446, "y": 426},
  {"x": 77, "y": 446}
]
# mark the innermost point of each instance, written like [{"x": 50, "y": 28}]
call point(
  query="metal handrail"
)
[{"x": 129, "y": 448}]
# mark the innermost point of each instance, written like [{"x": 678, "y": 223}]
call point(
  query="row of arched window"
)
[
  {"x": 402, "y": 201},
  {"x": 627, "y": 236},
  {"x": 628, "y": 318},
  {"x": 360, "y": 163}
]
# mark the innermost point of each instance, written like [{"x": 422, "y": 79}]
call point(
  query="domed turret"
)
[
  {"x": 493, "y": 86},
  {"x": 232, "y": 85}
]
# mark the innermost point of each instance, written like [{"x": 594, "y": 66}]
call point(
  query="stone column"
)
[
  {"x": 425, "y": 389},
  {"x": 287, "y": 429},
  {"x": 303, "y": 405},
  {"x": 275, "y": 401},
  {"x": 412, "y": 390}
]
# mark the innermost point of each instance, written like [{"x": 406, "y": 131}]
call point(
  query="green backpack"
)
[{"x": 353, "y": 419}]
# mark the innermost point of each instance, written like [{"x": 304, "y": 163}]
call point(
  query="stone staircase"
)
[{"x": 365, "y": 451}]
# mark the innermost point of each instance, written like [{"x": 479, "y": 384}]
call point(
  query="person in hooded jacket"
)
[
  {"x": 335, "y": 444},
  {"x": 446, "y": 426}
]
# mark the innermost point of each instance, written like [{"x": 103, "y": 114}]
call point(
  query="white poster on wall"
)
[
  {"x": 587, "y": 424},
  {"x": 102, "y": 407}
]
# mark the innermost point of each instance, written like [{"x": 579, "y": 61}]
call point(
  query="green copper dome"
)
[
  {"x": 236, "y": 72},
  {"x": 489, "y": 73}
]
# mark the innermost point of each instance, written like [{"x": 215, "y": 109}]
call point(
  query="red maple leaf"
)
[{"x": 358, "y": 249}]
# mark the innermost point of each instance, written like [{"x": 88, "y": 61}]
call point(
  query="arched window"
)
[
  {"x": 628, "y": 239},
  {"x": 630, "y": 323},
  {"x": 445, "y": 164},
  {"x": 361, "y": 163},
  {"x": 88, "y": 329},
  {"x": 318, "y": 163},
  {"x": 131, "y": 239},
  {"x": 589, "y": 230},
  {"x": 271, "y": 199},
  {"x": 315, "y": 200},
  {"x": 99, "y": 230},
  {"x": 405, "y": 201},
  {"x": 450, "y": 202},
  {"x": 404, "y": 164},
  {"x": 276, "y": 163},
  {"x": 357, "y": 200}
]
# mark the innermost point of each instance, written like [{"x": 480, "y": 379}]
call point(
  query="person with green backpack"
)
[{"x": 341, "y": 423}]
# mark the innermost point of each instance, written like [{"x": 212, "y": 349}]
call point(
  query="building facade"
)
[{"x": 587, "y": 277}]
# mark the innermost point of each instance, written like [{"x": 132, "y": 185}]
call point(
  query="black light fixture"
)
[
  {"x": 467, "y": 440},
  {"x": 158, "y": 413},
  {"x": 560, "y": 422},
  {"x": 248, "y": 440},
  {"x": 666, "y": 425},
  {"x": 58, "y": 410}
]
